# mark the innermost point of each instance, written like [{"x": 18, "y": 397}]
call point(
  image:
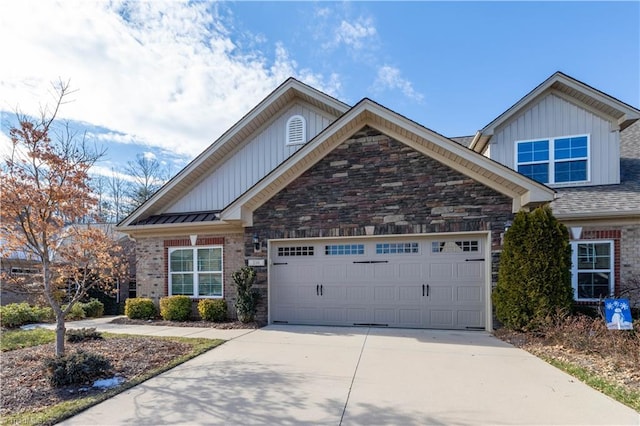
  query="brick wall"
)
[
  {"x": 152, "y": 257},
  {"x": 373, "y": 180}
]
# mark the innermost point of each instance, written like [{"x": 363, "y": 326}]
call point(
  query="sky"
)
[{"x": 165, "y": 79}]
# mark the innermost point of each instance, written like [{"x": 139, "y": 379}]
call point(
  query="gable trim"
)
[{"x": 521, "y": 189}]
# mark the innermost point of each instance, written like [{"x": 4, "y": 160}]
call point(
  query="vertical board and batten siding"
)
[
  {"x": 552, "y": 117},
  {"x": 251, "y": 162}
]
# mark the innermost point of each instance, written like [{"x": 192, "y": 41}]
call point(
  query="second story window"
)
[
  {"x": 296, "y": 130},
  {"x": 555, "y": 160}
]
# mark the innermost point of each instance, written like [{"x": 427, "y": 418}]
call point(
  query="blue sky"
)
[{"x": 168, "y": 78}]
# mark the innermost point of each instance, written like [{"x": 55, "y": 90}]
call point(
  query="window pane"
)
[
  {"x": 541, "y": 151},
  {"x": 570, "y": 148},
  {"x": 571, "y": 171},
  {"x": 593, "y": 285},
  {"x": 533, "y": 151},
  {"x": 182, "y": 284},
  {"x": 209, "y": 284},
  {"x": 539, "y": 172},
  {"x": 181, "y": 260},
  {"x": 210, "y": 259}
]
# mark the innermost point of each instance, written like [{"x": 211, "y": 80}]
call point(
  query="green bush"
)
[
  {"x": 246, "y": 296},
  {"x": 175, "y": 308},
  {"x": 77, "y": 368},
  {"x": 212, "y": 309},
  {"x": 93, "y": 309},
  {"x": 139, "y": 308},
  {"x": 76, "y": 312},
  {"x": 18, "y": 314},
  {"x": 534, "y": 279},
  {"x": 82, "y": 334}
]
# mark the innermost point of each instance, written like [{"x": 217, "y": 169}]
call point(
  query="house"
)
[
  {"x": 21, "y": 273},
  {"x": 585, "y": 145},
  {"x": 360, "y": 216}
]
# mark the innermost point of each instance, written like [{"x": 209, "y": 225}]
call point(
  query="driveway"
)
[{"x": 285, "y": 375}]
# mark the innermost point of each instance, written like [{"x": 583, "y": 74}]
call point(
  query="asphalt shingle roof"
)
[{"x": 624, "y": 197}]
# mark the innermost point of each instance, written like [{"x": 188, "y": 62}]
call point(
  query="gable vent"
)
[{"x": 296, "y": 130}]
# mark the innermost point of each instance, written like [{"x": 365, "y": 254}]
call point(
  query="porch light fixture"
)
[{"x": 256, "y": 243}]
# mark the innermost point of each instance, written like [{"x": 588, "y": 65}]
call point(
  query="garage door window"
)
[
  {"x": 295, "y": 251},
  {"x": 196, "y": 272},
  {"x": 343, "y": 249},
  {"x": 397, "y": 248},
  {"x": 455, "y": 246}
]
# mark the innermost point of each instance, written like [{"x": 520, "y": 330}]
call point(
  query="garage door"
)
[{"x": 395, "y": 282}]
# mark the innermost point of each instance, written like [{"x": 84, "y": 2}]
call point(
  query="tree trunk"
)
[{"x": 60, "y": 330}]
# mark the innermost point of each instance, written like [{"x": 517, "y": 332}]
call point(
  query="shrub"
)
[
  {"x": 82, "y": 334},
  {"x": 534, "y": 279},
  {"x": 76, "y": 312},
  {"x": 246, "y": 296},
  {"x": 212, "y": 309},
  {"x": 139, "y": 308},
  {"x": 93, "y": 309},
  {"x": 18, "y": 314},
  {"x": 175, "y": 308},
  {"x": 77, "y": 368}
]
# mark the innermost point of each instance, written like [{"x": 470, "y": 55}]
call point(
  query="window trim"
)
[
  {"x": 196, "y": 284},
  {"x": 575, "y": 270},
  {"x": 303, "y": 123},
  {"x": 551, "y": 162}
]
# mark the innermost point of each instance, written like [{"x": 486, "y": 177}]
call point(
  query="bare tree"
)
[
  {"x": 45, "y": 196},
  {"x": 149, "y": 175}
]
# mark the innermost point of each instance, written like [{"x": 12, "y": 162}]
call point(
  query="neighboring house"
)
[
  {"x": 21, "y": 274},
  {"x": 586, "y": 145},
  {"x": 350, "y": 215}
]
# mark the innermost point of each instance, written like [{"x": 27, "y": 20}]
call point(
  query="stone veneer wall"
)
[
  {"x": 151, "y": 253},
  {"x": 374, "y": 180}
]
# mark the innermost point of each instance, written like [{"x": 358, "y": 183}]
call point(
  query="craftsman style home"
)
[{"x": 356, "y": 215}]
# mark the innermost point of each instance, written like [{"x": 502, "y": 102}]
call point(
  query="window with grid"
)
[
  {"x": 555, "y": 160},
  {"x": 343, "y": 249},
  {"x": 196, "y": 272},
  {"x": 592, "y": 271},
  {"x": 396, "y": 248},
  {"x": 295, "y": 251}
]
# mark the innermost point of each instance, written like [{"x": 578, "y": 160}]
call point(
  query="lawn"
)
[{"x": 28, "y": 398}]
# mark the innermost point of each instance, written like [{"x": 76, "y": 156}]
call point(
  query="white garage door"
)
[{"x": 395, "y": 282}]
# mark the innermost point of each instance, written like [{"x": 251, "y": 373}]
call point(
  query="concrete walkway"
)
[{"x": 290, "y": 375}]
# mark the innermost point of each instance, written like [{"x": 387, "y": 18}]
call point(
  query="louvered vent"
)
[{"x": 296, "y": 131}]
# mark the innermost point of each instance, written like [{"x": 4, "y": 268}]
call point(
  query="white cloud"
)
[
  {"x": 355, "y": 35},
  {"x": 389, "y": 77},
  {"x": 164, "y": 74}
]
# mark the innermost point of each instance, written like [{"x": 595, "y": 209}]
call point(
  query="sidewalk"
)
[{"x": 104, "y": 324}]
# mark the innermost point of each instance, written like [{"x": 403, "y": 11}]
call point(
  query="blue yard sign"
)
[{"x": 618, "y": 314}]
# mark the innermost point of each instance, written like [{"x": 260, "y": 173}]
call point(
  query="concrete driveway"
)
[{"x": 285, "y": 375}]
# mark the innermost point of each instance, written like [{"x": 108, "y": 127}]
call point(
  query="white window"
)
[
  {"x": 554, "y": 160},
  {"x": 592, "y": 274},
  {"x": 296, "y": 130},
  {"x": 196, "y": 271}
]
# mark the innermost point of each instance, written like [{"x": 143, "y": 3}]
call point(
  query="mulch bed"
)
[
  {"x": 227, "y": 325},
  {"x": 25, "y": 384}
]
